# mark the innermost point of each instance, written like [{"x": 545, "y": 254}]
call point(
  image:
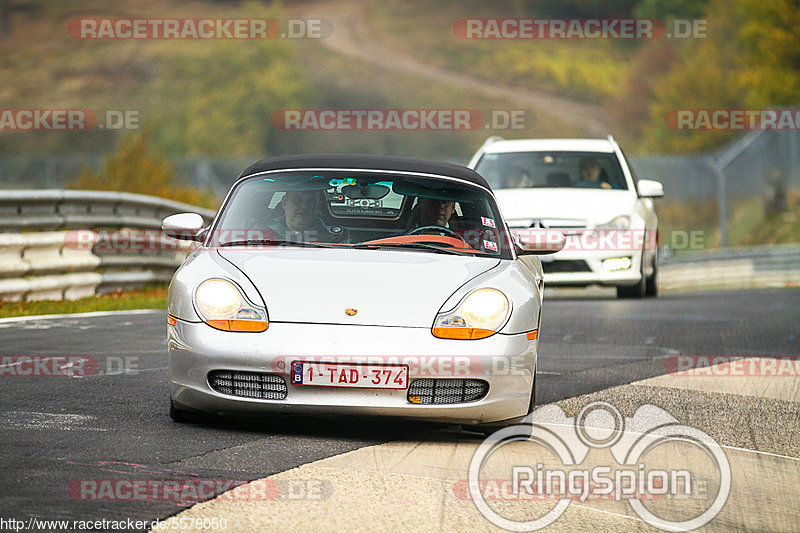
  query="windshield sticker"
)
[
  {"x": 488, "y": 222},
  {"x": 490, "y": 245},
  {"x": 337, "y": 182}
]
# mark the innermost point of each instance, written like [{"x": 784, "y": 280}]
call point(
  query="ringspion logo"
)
[{"x": 636, "y": 473}]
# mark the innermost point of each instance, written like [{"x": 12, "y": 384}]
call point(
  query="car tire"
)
[
  {"x": 190, "y": 416},
  {"x": 634, "y": 291},
  {"x": 525, "y": 430},
  {"x": 486, "y": 430},
  {"x": 651, "y": 283},
  {"x": 532, "y": 403},
  {"x": 179, "y": 416}
]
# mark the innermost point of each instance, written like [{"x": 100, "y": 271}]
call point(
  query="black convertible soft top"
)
[{"x": 371, "y": 162}]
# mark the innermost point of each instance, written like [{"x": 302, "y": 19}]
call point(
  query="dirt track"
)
[{"x": 351, "y": 37}]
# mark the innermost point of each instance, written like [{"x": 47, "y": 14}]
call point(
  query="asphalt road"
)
[{"x": 113, "y": 425}]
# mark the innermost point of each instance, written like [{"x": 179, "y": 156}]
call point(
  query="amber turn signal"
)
[
  {"x": 252, "y": 326},
  {"x": 462, "y": 333}
]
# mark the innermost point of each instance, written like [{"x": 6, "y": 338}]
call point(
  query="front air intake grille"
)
[
  {"x": 257, "y": 385},
  {"x": 576, "y": 265},
  {"x": 446, "y": 391}
]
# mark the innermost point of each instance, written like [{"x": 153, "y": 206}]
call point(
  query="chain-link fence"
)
[
  {"x": 754, "y": 164},
  {"x": 763, "y": 165}
]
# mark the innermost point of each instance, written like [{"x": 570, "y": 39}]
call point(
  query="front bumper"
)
[
  {"x": 506, "y": 362},
  {"x": 596, "y": 274}
]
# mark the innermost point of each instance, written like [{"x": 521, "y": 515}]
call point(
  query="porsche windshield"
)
[{"x": 362, "y": 210}]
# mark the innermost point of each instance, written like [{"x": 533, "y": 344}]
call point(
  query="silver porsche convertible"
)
[{"x": 357, "y": 285}]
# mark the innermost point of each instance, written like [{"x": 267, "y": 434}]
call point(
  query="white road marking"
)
[
  {"x": 14, "y": 319},
  {"x": 38, "y": 420}
]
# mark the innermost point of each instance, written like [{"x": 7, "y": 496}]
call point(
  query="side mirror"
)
[
  {"x": 184, "y": 226},
  {"x": 650, "y": 189},
  {"x": 539, "y": 241}
]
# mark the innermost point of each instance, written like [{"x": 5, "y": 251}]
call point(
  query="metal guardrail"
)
[
  {"x": 110, "y": 241},
  {"x": 65, "y": 209},
  {"x": 113, "y": 241},
  {"x": 752, "y": 266}
]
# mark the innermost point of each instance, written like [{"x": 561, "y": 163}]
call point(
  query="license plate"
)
[{"x": 353, "y": 376}]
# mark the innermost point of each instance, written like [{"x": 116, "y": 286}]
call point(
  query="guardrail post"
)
[
  {"x": 719, "y": 165},
  {"x": 722, "y": 203}
]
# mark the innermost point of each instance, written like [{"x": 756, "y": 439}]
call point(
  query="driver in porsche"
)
[
  {"x": 431, "y": 213},
  {"x": 434, "y": 216},
  {"x": 435, "y": 212}
]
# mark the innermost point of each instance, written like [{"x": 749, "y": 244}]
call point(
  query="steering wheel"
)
[{"x": 437, "y": 229}]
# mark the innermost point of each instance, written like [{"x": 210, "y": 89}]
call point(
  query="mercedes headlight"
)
[{"x": 620, "y": 222}]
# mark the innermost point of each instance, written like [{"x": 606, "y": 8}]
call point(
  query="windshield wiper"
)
[
  {"x": 361, "y": 246},
  {"x": 419, "y": 245},
  {"x": 274, "y": 242}
]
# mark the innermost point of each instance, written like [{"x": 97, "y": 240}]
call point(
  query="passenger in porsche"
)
[{"x": 301, "y": 219}]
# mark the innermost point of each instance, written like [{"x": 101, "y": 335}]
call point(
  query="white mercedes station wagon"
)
[{"x": 586, "y": 189}]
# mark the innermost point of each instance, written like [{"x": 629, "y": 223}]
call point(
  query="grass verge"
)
[{"x": 150, "y": 297}]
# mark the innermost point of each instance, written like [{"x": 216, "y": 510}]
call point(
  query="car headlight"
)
[
  {"x": 221, "y": 305},
  {"x": 617, "y": 263},
  {"x": 479, "y": 315},
  {"x": 620, "y": 222}
]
